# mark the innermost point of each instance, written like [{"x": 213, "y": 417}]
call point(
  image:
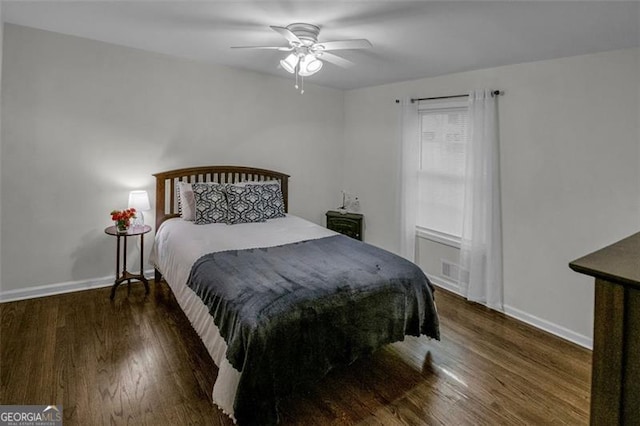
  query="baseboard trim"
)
[
  {"x": 542, "y": 324},
  {"x": 550, "y": 327},
  {"x": 446, "y": 284},
  {"x": 60, "y": 288}
]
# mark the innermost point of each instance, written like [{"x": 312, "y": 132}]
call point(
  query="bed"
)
[{"x": 279, "y": 303}]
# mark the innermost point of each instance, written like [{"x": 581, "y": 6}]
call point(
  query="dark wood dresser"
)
[
  {"x": 349, "y": 224},
  {"x": 615, "y": 380}
]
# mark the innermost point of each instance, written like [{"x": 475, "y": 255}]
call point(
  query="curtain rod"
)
[{"x": 493, "y": 93}]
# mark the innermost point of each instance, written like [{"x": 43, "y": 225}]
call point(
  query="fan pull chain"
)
[
  {"x": 302, "y": 84},
  {"x": 296, "y": 85}
]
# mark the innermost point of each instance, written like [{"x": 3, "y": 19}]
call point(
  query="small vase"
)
[{"x": 122, "y": 226}]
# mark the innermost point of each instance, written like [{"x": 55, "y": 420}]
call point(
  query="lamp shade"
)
[
  {"x": 309, "y": 65},
  {"x": 139, "y": 200},
  {"x": 289, "y": 63}
]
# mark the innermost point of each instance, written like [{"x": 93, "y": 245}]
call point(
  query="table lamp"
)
[{"x": 139, "y": 200}]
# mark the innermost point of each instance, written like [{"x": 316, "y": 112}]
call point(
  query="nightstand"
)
[
  {"x": 126, "y": 275},
  {"x": 349, "y": 224}
]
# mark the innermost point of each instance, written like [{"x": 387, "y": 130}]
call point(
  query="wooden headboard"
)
[{"x": 167, "y": 205}]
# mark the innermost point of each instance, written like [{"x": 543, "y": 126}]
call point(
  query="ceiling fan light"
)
[
  {"x": 310, "y": 65},
  {"x": 289, "y": 63}
]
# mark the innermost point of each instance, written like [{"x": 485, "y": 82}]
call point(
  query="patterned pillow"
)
[
  {"x": 211, "y": 203},
  {"x": 271, "y": 195},
  {"x": 245, "y": 203},
  {"x": 273, "y": 200}
]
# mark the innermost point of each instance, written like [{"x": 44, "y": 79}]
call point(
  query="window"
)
[{"x": 443, "y": 138}]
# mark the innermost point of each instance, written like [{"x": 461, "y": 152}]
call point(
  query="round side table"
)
[{"x": 126, "y": 275}]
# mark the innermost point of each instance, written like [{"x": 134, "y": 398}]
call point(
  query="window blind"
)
[{"x": 443, "y": 139}]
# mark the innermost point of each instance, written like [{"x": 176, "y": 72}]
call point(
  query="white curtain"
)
[
  {"x": 481, "y": 247},
  {"x": 409, "y": 162}
]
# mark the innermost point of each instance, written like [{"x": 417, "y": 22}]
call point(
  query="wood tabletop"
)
[
  {"x": 348, "y": 215},
  {"x": 617, "y": 263}
]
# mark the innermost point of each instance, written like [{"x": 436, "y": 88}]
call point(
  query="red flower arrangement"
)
[{"x": 122, "y": 218}]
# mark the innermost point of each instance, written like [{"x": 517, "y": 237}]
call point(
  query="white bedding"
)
[{"x": 179, "y": 243}]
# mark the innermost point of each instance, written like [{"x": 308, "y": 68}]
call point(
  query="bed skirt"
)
[{"x": 224, "y": 389}]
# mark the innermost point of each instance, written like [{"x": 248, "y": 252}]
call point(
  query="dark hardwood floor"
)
[{"x": 138, "y": 361}]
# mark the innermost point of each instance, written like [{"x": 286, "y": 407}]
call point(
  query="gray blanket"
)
[{"x": 291, "y": 313}]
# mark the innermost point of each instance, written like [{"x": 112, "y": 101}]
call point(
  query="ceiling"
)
[{"x": 411, "y": 39}]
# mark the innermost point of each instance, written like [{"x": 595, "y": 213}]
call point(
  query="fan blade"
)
[
  {"x": 282, "y": 49},
  {"x": 336, "y": 60},
  {"x": 344, "y": 44},
  {"x": 284, "y": 32}
]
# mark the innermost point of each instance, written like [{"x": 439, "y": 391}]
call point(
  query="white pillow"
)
[{"x": 186, "y": 201}]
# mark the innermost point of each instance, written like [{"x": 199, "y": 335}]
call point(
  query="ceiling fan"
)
[{"x": 307, "y": 53}]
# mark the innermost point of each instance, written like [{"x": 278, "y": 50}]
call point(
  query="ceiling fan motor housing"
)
[{"x": 307, "y": 33}]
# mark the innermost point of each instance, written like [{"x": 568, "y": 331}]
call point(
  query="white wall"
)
[
  {"x": 570, "y": 145},
  {"x": 86, "y": 122}
]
